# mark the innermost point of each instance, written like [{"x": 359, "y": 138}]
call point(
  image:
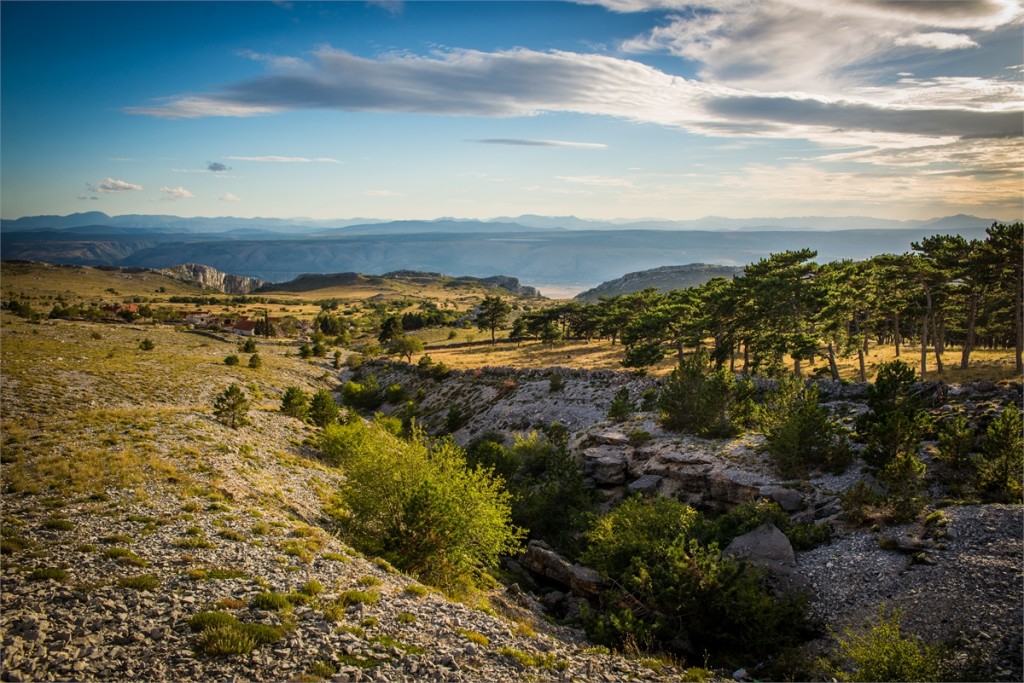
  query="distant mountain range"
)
[
  {"x": 536, "y": 250},
  {"x": 373, "y": 226}
]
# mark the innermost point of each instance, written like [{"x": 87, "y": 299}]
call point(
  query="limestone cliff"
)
[{"x": 208, "y": 277}]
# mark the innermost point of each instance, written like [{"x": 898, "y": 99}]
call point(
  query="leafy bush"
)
[
  {"x": 1002, "y": 464},
  {"x": 395, "y": 394},
  {"x": 555, "y": 382},
  {"x": 801, "y": 434},
  {"x": 748, "y": 516},
  {"x": 416, "y": 503},
  {"x": 956, "y": 441},
  {"x": 882, "y": 653},
  {"x": 271, "y": 601},
  {"x": 231, "y": 359},
  {"x": 147, "y": 344},
  {"x": 674, "y": 593},
  {"x": 141, "y": 582},
  {"x": 255, "y": 362},
  {"x": 231, "y": 406},
  {"x": 894, "y": 422},
  {"x": 621, "y": 408},
  {"x": 362, "y": 396},
  {"x": 295, "y": 403},
  {"x": 323, "y": 411},
  {"x": 705, "y": 401}
]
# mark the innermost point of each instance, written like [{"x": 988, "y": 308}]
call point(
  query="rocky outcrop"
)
[
  {"x": 208, "y": 277},
  {"x": 768, "y": 548}
]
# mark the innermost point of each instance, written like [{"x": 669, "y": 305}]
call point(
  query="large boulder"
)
[
  {"x": 540, "y": 559},
  {"x": 768, "y": 548}
]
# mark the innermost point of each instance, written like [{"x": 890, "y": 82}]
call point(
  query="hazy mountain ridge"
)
[
  {"x": 540, "y": 254},
  {"x": 357, "y": 225},
  {"x": 664, "y": 278}
]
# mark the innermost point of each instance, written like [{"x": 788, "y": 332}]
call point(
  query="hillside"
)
[
  {"x": 128, "y": 510},
  {"x": 665, "y": 278}
]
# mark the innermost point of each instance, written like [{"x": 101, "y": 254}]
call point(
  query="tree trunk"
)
[
  {"x": 924, "y": 345},
  {"x": 862, "y": 353},
  {"x": 972, "y": 318},
  {"x": 937, "y": 345},
  {"x": 1018, "y": 322},
  {"x": 896, "y": 332},
  {"x": 832, "y": 362},
  {"x": 746, "y": 358}
]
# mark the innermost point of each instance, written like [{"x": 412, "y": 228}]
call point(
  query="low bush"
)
[
  {"x": 883, "y": 653},
  {"x": 705, "y": 401},
  {"x": 800, "y": 433}
]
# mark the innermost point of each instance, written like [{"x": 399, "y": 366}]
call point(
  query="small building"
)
[
  {"x": 201, "y": 318},
  {"x": 244, "y": 327}
]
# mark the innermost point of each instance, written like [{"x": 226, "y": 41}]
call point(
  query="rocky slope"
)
[
  {"x": 211, "y": 278},
  {"x": 977, "y": 559}
]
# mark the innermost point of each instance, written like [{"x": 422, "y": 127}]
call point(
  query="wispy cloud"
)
[
  {"x": 939, "y": 40},
  {"x": 287, "y": 160},
  {"x": 541, "y": 143},
  {"x": 216, "y": 167},
  {"x": 114, "y": 186},
  {"x": 175, "y": 193},
  {"x": 229, "y": 197},
  {"x": 381, "y": 193}
]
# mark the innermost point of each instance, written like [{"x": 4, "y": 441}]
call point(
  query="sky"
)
[{"x": 602, "y": 109}]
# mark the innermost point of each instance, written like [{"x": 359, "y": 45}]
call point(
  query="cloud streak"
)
[
  {"x": 175, "y": 193},
  {"x": 111, "y": 186},
  {"x": 287, "y": 160},
  {"x": 520, "y": 142}
]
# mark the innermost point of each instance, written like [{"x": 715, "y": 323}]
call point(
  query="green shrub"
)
[
  {"x": 672, "y": 593},
  {"x": 394, "y": 394},
  {"x": 231, "y": 359},
  {"x": 142, "y": 582},
  {"x": 312, "y": 588},
  {"x": 1002, "y": 464},
  {"x": 362, "y": 396},
  {"x": 323, "y": 410},
  {"x": 248, "y": 346},
  {"x": 274, "y": 602},
  {"x": 800, "y": 433},
  {"x": 895, "y": 422},
  {"x": 358, "y": 597},
  {"x": 748, "y": 516},
  {"x": 48, "y": 574},
  {"x": 555, "y": 382},
  {"x": 220, "y": 641},
  {"x": 883, "y": 653},
  {"x": 204, "y": 621},
  {"x": 255, "y": 362},
  {"x": 705, "y": 401},
  {"x": 417, "y": 504},
  {"x": 231, "y": 406},
  {"x": 956, "y": 441},
  {"x": 621, "y": 408},
  {"x": 59, "y": 524},
  {"x": 147, "y": 344}
]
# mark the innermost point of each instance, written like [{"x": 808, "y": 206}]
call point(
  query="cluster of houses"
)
[{"x": 242, "y": 325}]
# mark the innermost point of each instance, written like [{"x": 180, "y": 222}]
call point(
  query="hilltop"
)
[{"x": 664, "y": 279}]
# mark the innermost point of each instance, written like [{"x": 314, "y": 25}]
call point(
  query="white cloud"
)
[
  {"x": 287, "y": 160},
  {"x": 175, "y": 193},
  {"x": 599, "y": 181},
  {"x": 381, "y": 193},
  {"x": 277, "y": 62},
  {"x": 229, "y": 197},
  {"x": 541, "y": 143},
  {"x": 114, "y": 186},
  {"x": 938, "y": 40}
]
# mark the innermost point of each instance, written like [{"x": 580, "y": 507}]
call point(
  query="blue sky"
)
[{"x": 602, "y": 109}]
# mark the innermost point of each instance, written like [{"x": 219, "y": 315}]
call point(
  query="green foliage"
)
[
  {"x": 416, "y": 503},
  {"x": 708, "y": 402},
  {"x": 295, "y": 403},
  {"x": 255, "y": 362},
  {"x": 956, "y": 441},
  {"x": 492, "y": 314},
  {"x": 748, "y": 516},
  {"x": 147, "y": 344},
  {"x": 231, "y": 359},
  {"x": 674, "y": 593},
  {"x": 362, "y": 396},
  {"x": 621, "y": 408},
  {"x": 488, "y": 452},
  {"x": 274, "y": 602},
  {"x": 48, "y": 574},
  {"x": 405, "y": 345},
  {"x": 1002, "y": 464},
  {"x": 555, "y": 382},
  {"x": 323, "y": 410},
  {"x": 883, "y": 653},
  {"x": 231, "y": 406},
  {"x": 649, "y": 399},
  {"x": 894, "y": 423},
  {"x": 455, "y": 419},
  {"x": 249, "y": 346},
  {"x": 141, "y": 582},
  {"x": 801, "y": 434},
  {"x": 553, "y": 502},
  {"x": 394, "y": 394}
]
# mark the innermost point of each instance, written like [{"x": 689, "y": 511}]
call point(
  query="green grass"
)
[
  {"x": 48, "y": 574},
  {"x": 357, "y": 597},
  {"x": 124, "y": 556},
  {"x": 216, "y": 574},
  {"x": 275, "y": 602},
  {"x": 58, "y": 524}
]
